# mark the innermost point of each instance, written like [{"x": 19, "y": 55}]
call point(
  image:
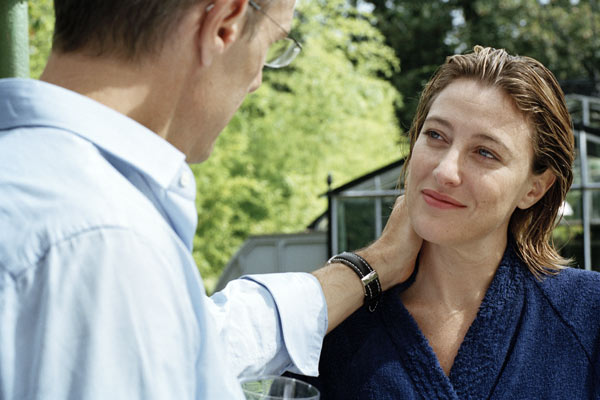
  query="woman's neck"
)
[{"x": 455, "y": 278}]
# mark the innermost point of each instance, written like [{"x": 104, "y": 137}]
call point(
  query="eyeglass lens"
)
[{"x": 282, "y": 53}]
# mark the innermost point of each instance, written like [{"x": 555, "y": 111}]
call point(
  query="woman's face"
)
[{"x": 470, "y": 166}]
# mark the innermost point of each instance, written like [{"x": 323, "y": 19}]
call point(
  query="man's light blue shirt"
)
[{"x": 100, "y": 297}]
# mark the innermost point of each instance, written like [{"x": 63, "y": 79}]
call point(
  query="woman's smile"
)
[{"x": 439, "y": 200}]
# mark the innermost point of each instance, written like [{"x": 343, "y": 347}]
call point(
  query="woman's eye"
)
[
  {"x": 487, "y": 154},
  {"x": 434, "y": 135}
]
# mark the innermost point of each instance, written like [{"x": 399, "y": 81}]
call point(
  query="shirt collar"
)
[{"x": 27, "y": 102}]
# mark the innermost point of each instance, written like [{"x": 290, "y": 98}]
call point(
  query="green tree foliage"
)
[
  {"x": 330, "y": 111},
  {"x": 562, "y": 34},
  {"x": 41, "y": 25},
  {"x": 417, "y": 32}
]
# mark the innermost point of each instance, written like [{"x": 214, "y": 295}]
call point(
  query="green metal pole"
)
[{"x": 14, "y": 39}]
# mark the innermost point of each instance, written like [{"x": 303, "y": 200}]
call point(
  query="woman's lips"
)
[{"x": 439, "y": 200}]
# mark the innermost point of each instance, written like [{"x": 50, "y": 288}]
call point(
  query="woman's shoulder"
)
[
  {"x": 572, "y": 287},
  {"x": 574, "y": 296}
]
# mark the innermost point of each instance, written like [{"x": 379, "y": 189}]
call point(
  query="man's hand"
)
[{"x": 393, "y": 256}]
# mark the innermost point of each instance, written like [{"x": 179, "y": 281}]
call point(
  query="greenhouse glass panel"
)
[
  {"x": 568, "y": 236},
  {"x": 576, "y": 163},
  {"x": 575, "y": 107},
  {"x": 595, "y": 231},
  {"x": 572, "y": 208},
  {"x": 568, "y": 239},
  {"x": 593, "y": 159},
  {"x": 594, "y": 121},
  {"x": 595, "y": 211},
  {"x": 356, "y": 223},
  {"x": 387, "y": 204}
]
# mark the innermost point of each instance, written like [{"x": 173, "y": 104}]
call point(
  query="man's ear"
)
[
  {"x": 221, "y": 25},
  {"x": 540, "y": 185}
]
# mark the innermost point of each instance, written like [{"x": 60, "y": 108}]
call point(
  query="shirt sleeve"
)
[{"x": 272, "y": 323}]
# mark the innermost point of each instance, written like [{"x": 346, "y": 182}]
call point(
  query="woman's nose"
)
[{"x": 447, "y": 172}]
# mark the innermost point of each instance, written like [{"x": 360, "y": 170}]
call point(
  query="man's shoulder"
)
[{"x": 56, "y": 185}]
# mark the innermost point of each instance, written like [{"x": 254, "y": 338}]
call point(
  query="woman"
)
[{"x": 491, "y": 310}]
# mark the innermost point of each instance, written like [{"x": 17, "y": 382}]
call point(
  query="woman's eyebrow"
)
[
  {"x": 493, "y": 139},
  {"x": 482, "y": 136},
  {"x": 439, "y": 120}
]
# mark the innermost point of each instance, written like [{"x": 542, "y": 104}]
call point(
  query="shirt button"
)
[{"x": 184, "y": 180}]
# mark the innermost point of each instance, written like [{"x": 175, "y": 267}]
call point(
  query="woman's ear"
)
[
  {"x": 539, "y": 186},
  {"x": 221, "y": 25}
]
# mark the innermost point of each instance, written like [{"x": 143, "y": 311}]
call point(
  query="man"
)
[{"x": 99, "y": 294}]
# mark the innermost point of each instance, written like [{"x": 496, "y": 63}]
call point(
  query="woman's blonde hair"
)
[{"x": 536, "y": 93}]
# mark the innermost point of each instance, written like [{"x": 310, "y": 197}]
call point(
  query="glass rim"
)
[{"x": 250, "y": 379}]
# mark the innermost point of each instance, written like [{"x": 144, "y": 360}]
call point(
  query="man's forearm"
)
[{"x": 343, "y": 292}]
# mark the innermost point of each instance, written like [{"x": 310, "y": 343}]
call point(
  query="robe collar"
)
[{"x": 482, "y": 355}]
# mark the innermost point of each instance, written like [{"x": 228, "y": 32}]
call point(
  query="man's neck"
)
[{"x": 133, "y": 89}]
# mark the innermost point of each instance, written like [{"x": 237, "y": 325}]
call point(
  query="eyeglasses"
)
[{"x": 282, "y": 52}]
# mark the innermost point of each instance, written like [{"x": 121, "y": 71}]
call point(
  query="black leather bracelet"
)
[{"x": 368, "y": 276}]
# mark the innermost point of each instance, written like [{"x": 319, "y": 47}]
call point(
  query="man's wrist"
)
[
  {"x": 367, "y": 275},
  {"x": 388, "y": 275}
]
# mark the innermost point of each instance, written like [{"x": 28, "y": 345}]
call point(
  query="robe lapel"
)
[
  {"x": 488, "y": 342},
  {"x": 482, "y": 355},
  {"x": 416, "y": 354}
]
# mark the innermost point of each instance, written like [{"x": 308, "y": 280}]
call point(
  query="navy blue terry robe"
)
[{"x": 530, "y": 340}]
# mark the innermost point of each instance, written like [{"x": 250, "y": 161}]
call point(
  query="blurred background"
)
[{"x": 309, "y": 164}]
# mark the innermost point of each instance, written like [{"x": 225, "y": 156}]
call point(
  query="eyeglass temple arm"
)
[{"x": 254, "y": 5}]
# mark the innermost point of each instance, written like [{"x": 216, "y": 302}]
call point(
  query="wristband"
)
[{"x": 368, "y": 276}]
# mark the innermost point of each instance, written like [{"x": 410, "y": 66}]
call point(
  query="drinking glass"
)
[{"x": 278, "y": 388}]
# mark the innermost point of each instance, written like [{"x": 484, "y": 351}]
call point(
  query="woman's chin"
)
[{"x": 437, "y": 236}]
